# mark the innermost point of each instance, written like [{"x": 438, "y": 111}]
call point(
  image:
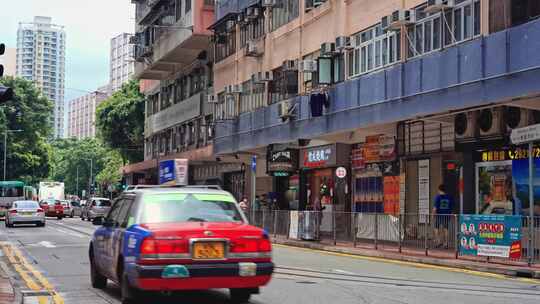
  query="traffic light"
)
[{"x": 5, "y": 92}]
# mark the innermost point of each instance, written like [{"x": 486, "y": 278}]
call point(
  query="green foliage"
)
[
  {"x": 70, "y": 156},
  {"x": 120, "y": 122},
  {"x": 110, "y": 175},
  {"x": 28, "y": 150}
]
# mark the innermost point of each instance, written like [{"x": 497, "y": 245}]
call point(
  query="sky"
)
[{"x": 89, "y": 26}]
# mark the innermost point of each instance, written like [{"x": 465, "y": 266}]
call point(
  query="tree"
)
[
  {"x": 120, "y": 122},
  {"x": 71, "y": 161},
  {"x": 110, "y": 176},
  {"x": 28, "y": 151}
]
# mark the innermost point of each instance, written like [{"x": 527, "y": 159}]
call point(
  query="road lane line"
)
[
  {"x": 23, "y": 268},
  {"x": 18, "y": 266},
  {"x": 412, "y": 264}
]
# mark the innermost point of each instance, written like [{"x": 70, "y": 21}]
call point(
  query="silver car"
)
[
  {"x": 25, "y": 212},
  {"x": 96, "y": 206},
  {"x": 76, "y": 209}
]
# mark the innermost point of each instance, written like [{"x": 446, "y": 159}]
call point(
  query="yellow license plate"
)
[
  {"x": 208, "y": 250},
  {"x": 27, "y": 213}
]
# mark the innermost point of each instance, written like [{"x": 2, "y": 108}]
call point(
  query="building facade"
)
[
  {"x": 121, "y": 61},
  {"x": 9, "y": 61},
  {"x": 174, "y": 61},
  {"x": 41, "y": 47},
  {"x": 82, "y": 114},
  {"x": 369, "y": 106}
]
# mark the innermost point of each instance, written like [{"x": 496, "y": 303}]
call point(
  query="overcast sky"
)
[{"x": 89, "y": 26}]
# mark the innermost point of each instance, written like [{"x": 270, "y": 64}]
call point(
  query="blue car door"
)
[
  {"x": 119, "y": 232},
  {"x": 109, "y": 229}
]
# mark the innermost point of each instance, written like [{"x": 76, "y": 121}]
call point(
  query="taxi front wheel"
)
[
  {"x": 240, "y": 296},
  {"x": 98, "y": 280}
]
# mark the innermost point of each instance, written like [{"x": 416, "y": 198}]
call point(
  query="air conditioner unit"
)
[
  {"x": 241, "y": 19},
  {"x": 308, "y": 66},
  {"x": 168, "y": 20},
  {"x": 211, "y": 98},
  {"x": 343, "y": 43},
  {"x": 262, "y": 77},
  {"x": 237, "y": 89},
  {"x": 435, "y": 6},
  {"x": 134, "y": 39},
  {"x": 290, "y": 65},
  {"x": 285, "y": 111},
  {"x": 516, "y": 117},
  {"x": 252, "y": 12},
  {"x": 465, "y": 126},
  {"x": 268, "y": 3},
  {"x": 489, "y": 122},
  {"x": 328, "y": 48},
  {"x": 402, "y": 17},
  {"x": 230, "y": 25},
  {"x": 252, "y": 50}
]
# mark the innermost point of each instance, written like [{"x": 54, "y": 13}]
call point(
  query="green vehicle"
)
[{"x": 10, "y": 191}]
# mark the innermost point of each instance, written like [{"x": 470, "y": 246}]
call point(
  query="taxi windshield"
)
[{"x": 180, "y": 207}]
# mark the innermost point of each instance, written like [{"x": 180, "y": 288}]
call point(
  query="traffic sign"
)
[
  {"x": 525, "y": 135},
  {"x": 341, "y": 172}
]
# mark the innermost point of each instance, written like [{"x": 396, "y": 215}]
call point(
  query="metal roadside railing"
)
[{"x": 418, "y": 234}]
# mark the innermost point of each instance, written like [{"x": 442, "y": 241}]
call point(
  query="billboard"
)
[
  {"x": 173, "y": 172},
  {"x": 490, "y": 235}
]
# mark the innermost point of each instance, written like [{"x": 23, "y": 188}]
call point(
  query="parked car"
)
[
  {"x": 171, "y": 239},
  {"x": 76, "y": 208},
  {"x": 67, "y": 207},
  {"x": 25, "y": 212},
  {"x": 96, "y": 206}
]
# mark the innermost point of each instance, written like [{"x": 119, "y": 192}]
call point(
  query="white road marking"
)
[
  {"x": 344, "y": 271},
  {"x": 79, "y": 235},
  {"x": 47, "y": 244}
]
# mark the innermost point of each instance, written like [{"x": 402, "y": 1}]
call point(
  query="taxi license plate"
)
[{"x": 208, "y": 250}]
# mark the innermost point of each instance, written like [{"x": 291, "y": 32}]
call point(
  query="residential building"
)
[
  {"x": 41, "y": 47},
  {"x": 397, "y": 96},
  {"x": 82, "y": 114},
  {"x": 121, "y": 62},
  {"x": 9, "y": 61},
  {"x": 174, "y": 63}
]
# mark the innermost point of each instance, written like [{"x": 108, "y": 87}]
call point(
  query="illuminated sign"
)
[{"x": 508, "y": 154}]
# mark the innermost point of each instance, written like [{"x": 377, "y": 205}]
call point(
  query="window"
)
[
  {"x": 284, "y": 12},
  {"x": 123, "y": 218},
  {"x": 374, "y": 49},
  {"x": 252, "y": 30},
  {"x": 284, "y": 85},
  {"x": 452, "y": 26},
  {"x": 225, "y": 45}
]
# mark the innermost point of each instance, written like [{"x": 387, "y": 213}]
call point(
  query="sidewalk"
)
[
  {"x": 445, "y": 258},
  {"x": 7, "y": 294}
]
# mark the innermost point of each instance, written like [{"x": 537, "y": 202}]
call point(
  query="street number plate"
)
[{"x": 208, "y": 250}]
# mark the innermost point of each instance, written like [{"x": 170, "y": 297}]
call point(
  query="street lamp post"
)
[
  {"x": 91, "y": 179},
  {"x": 5, "y": 149}
]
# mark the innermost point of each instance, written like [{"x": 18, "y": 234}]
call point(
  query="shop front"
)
[
  {"x": 502, "y": 181},
  {"x": 376, "y": 175},
  {"x": 282, "y": 165}
]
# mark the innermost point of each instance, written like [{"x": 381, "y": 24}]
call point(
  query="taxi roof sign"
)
[{"x": 525, "y": 135}]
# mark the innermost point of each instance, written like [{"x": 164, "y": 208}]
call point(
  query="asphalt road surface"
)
[{"x": 58, "y": 254}]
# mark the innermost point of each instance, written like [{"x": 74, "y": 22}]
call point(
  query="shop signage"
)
[
  {"x": 357, "y": 158},
  {"x": 379, "y": 148},
  {"x": 282, "y": 163},
  {"x": 508, "y": 154},
  {"x": 490, "y": 235},
  {"x": 174, "y": 171},
  {"x": 341, "y": 172},
  {"x": 525, "y": 135},
  {"x": 317, "y": 157},
  {"x": 423, "y": 190}
]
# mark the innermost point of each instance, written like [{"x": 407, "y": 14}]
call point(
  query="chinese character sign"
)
[{"x": 490, "y": 235}]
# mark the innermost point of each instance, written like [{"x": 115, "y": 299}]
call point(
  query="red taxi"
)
[
  {"x": 52, "y": 208},
  {"x": 169, "y": 239}
]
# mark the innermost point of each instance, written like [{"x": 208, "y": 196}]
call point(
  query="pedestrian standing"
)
[
  {"x": 244, "y": 204},
  {"x": 442, "y": 208}
]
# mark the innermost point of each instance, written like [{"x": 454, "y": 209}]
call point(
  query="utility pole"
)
[{"x": 77, "y": 182}]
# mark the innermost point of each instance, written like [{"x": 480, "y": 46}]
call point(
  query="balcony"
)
[
  {"x": 491, "y": 69},
  {"x": 226, "y": 7},
  {"x": 165, "y": 49}
]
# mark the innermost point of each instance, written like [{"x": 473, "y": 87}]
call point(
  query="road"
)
[{"x": 58, "y": 254}]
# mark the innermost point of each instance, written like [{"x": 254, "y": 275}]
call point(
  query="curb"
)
[{"x": 522, "y": 273}]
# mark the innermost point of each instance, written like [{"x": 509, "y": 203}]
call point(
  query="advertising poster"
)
[
  {"x": 391, "y": 195},
  {"x": 293, "y": 227},
  {"x": 181, "y": 172},
  {"x": 490, "y": 235},
  {"x": 166, "y": 172},
  {"x": 423, "y": 190},
  {"x": 520, "y": 175}
]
